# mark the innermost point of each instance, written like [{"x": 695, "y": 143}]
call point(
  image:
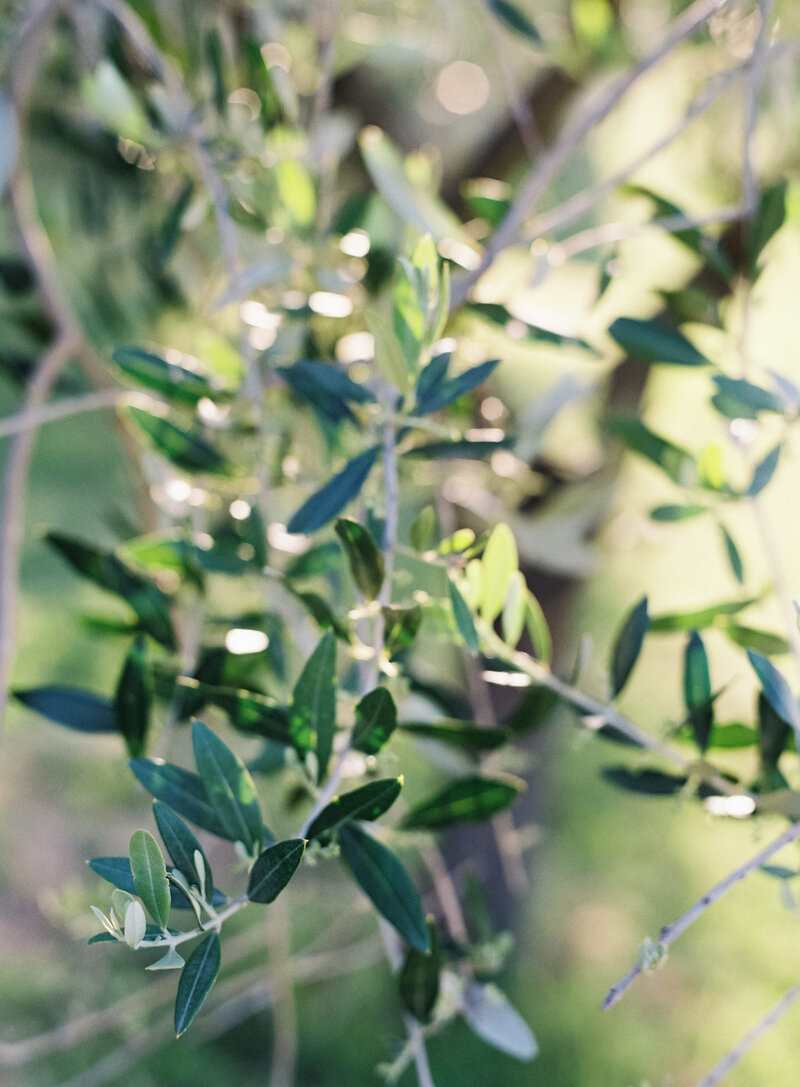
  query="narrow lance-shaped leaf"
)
[
  {"x": 653, "y": 341},
  {"x": 763, "y": 472},
  {"x": 499, "y": 563},
  {"x": 739, "y": 399},
  {"x": 133, "y": 700},
  {"x": 515, "y": 609},
  {"x": 332, "y": 498},
  {"x": 401, "y": 626},
  {"x": 183, "y": 849},
  {"x": 768, "y": 219},
  {"x": 628, "y": 646},
  {"x": 492, "y": 1018},
  {"x": 467, "y": 800},
  {"x": 389, "y": 355},
  {"x": 449, "y": 391},
  {"x": 153, "y": 372},
  {"x": 180, "y": 790},
  {"x": 463, "y": 618},
  {"x": 366, "y": 803},
  {"x": 150, "y": 876},
  {"x": 675, "y": 512},
  {"x": 366, "y": 560},
  {"x": 697, "y": 689},
  {"x": 734, "y": 556},
  {"x": 376, "y": 720},
  {"x": 197, "y": 980},
  {"x": 678, "y": 464},
  {"x": 702, "y": 617},
  {"x": 511, "y": 16},
  {"x": 273, "y": 870},
  {"x": 76, "y": 709},
  {"x": 776, "y": 690},
  {"x": 461, "y": 734},
  {"x": 384, "y": 880},
  {"x": 185, "y": 450},
  {"x": 229, "y": 787},
  {"x": 312, "y": 713},
  {"x": 419, "y": 977},
  {"x": 117, "y": 870}
]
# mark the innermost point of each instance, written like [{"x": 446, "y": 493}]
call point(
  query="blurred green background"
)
[{"x": 606, "y": 868}]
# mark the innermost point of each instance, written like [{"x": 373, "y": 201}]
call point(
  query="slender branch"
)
[
  {"x": 550, "y": 163},
  {"x": 755, "y": 79},
  {"x": 284, "y": 1029},
  {"x": 670, "y": 933},
  {"x": 419, "y": 1052},
  {"x": 31, "y": 418}
]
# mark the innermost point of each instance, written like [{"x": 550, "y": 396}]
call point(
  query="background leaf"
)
[
  {"x": 628, "y": 645},
  {"x": 467, "y": 800},
  {"x": 331, "y": 499},
  {"x": 312, "y": 711}
]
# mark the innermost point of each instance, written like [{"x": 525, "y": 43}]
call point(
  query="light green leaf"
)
[
  {"x": 150, "y": 876},
  {"x": 499, "y": 563},
  {"x": 492, "y": 1018},
  {"x": 390, "y": 358},
  {"x": 366, "y": 560},
  {"x": 421, "y": 531},
  {"x": 514, "y": 609}
]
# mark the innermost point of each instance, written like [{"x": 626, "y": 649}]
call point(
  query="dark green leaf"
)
[
  {"x": 376, "y": 720},
  {"x": 419, "y": 977},
  {"x": 697, "y": 689},
  {"x": 740, "y": 399},
  {"x": 229, "y": 787},
  {"x": 384, "y": 880},
  {"x": 328, "y": 389},
  {"x": 698, "y": 620},
  {"x": 677, "y": 463},
  {"x": 322, "y": 613},
  {"x": 273, "y": 870},
  {"x": 463, "y": 449},
  {"x": 401, "y": 626},
  {"x": 185, "y": 450},
  {"x": 197, "y": 978},
  {"x": 133, "y": 700},
  {"x": 628, "y": 645},
  {"x": 776, "y": 689},
  {"x": 773, "y": 734},
  {"x": 317, "y": 560},
  {"x": 763, "y": 641},
  {"x": 646, "y": 782},
  {"x": 312, "y": 712},
  {"x": 767, "y": 221},
  {"x": 150, "y": 876},
  {"x": 109, "y": 572},
  {"x": 467, "y": 800},
  {"x": 447, "y": 392},
  {"x": 182, "y": 845},
  {"x": 763, "y": 472},
  {"x": 180, "y": 790},
  {"x": 677, "y": 512},
  {"x": 117, "y": 870},
  {"x": 653, "y": 341},
  {"x": 79, "y": 710},
  {"x": 366, "y": 560},
  {"x": 463, "y": 618},
  {"x": 366, "y": 803},
  {"x": 462, "y": 734},
  {"x": 331, "y": 499},
  {"x": 153, "y": 372},
  {"x": 432, "y": 376},
  {"x": 533, "y": 712},
  {"x": 170, "y": 232},
  {"x": 734, "y": 557},
  {"x": 511, "y": 16},
  {"x": 246, "y": 711}
]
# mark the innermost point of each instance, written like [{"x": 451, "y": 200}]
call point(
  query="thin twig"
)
[
  {"x": 734, "y": 1055},
  {"x": 284, "y": 1026},
  {"x": 550, "y": 163},
  {"x": 31, "y": 418},
  {"x": 670, "y": 933}
]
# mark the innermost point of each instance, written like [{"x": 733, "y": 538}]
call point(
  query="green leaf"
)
[
  {"x": 366, "y": 803},
  {"x": 421, "y": 532},
  {"x": 653, "y": 341},
  {"x": 539, "y": 332},
  {"x": 331, "y": 499},
  {"x": 419, "y": 977},
  {"x": 767, "y": 221},
  {"x": 538, "y": 630},
  {"x": 185, "y": 450},
  {"x": 776, "y": 689},
  {"x": 447, "y": 392},
  {"x": 376, "y": 720},
  {"x": 321, "y": 559},
  {"x": 740, "y": 399},
  {"x": 467, "y": 800},
  {"x": 628, "y": 645},
  {"x": 69, "y": 706},
  {"x": 401, "y": 626},
  {"x": 732, "y": 735},
  {"x": 774, "y": 733},
  {"x": 461, "y": 449},
  {"x": 463, "y": 618},
  {"x": 410, "y": 311},
  {"x": 312, "y": 711},
  {"x": 763, "y": 641},
  {"x": 150, "y": 876},
  {"x": 697, "y": 689},
  {"x": 384, "y": 880},
  {"x": 229, "y": 787},
  {"x": 677, "y": 463},
  {"x": 182, "y": 846},
  {"x": 515, "y": 609},
  {"x": 389, "y": 356},
  {"x": 171, "y": 381},
  {"x": 704, "y": 246},
  {"x": 461, "y": 734},
  {"x": 133, "y": 700},
  {"x": 197, "y": 980},
  {"x": 514, "y": 19},
  {"x": 169, "y": 236},
  {"x": 492, "y": 1018},
  {"x": 645, "y": 782},
  {"x": 329, "y": 390},
  {"x": 246, "y": 711},
  {"x": 296, "y": 191},
  {"x": 499, "y": 563},
  {"x": 366, "y": 560},
  {"x": 763, "y": 472},
  {"x": 487, "y": 198},
  {"x": 106, "y": 570},
  {"x": 180, "y": 790},
  {"x": 273, "y": 870},
  {"x": 117, "y": 870},
  {"x": 677, "y": 512},
  {"x": 698, "y": 620},
  {"x": 733, "y": 554}
]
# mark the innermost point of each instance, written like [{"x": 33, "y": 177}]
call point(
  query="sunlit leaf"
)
[
  {"x": 312, "y": 711},
  {"x": 185, "y": 450},
  {"x": 654, "y": 341},
  {"x": 467, "y": 800},
  {"x": 701, "y": 618},
  {"x": 390, "y": 358},
  {"x": 366, "y": 803},
  {"x": 400, "y": 627},
  {"x": 174, "y": 382},
  {"x": 229, "y": 787},
  {"x": 366, "y": 560},
  {"x": 499, "y": 563},
  {"x": 492, "y": 1018},
  {"x": 376, "y": 720}
]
